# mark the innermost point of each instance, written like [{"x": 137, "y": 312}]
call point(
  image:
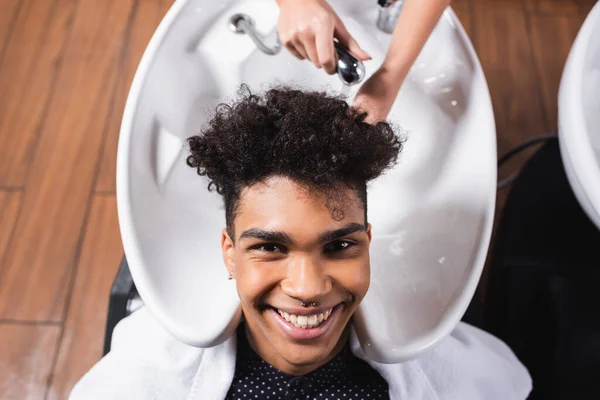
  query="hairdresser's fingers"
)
[
  {"x": 325, "y": 49},
  {"x": 310, "y": 48},
  {"x": 292, "y": 49},
  {"x": 299, "y": 46},
  {"x": 288, "y": 42}
]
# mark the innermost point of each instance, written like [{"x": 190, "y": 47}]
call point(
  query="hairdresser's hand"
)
[
  {"x": 377, "y": 95},
  {"x": 417, "y": 20},
  {"x": 307, "y": 29}
]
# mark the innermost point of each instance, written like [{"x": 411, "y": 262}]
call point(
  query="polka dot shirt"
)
[{"x": 346, "y": 377}]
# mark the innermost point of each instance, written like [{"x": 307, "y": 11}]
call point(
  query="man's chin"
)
[
  {"x": 302, "y": 360},
  {"x": 309, "y": 352}
]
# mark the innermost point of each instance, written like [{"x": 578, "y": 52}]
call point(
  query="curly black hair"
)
[{"x": 314, "y": 138}]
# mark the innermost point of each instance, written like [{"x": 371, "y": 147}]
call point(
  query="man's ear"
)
[
  {"x": 369, "y": 232},
  {"x": 228, "y": 252}
]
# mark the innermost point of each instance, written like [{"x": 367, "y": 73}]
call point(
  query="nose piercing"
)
[{"x": 312, "y": 304}]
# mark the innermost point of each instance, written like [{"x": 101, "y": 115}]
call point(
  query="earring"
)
[{"x": 230, "y": 276}]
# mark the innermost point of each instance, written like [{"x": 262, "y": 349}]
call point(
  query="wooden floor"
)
[{"x": 65, "y": 70}]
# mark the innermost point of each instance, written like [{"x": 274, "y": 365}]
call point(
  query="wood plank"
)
[
  {"x": 27, "y": 77},
  {"x": 37, "y": 273},
  {"x": 27, "y": 354},
  {"x": 502, "y": 44},
  {"x": 551, "y": 39},
  {"x": 585, "y": 6},
  {"x": 9, "y": 10},
  {"x": 147, "y": 17},
  {"x": 9, "y": 210},
  {"x": 506, "y": 56},
  {"x": 463, "y": 10},
  {"x": 552, "y": 7},
  {"x": 83, "y": 337}
]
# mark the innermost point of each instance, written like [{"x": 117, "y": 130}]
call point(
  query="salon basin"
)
[
  {"x": 432, "y": 215},
  {"x": 579, "y": 116}
]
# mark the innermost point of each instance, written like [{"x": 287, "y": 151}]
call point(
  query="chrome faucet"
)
[
  {"x": 244, "y": 24},
  {"x": 389, "y": 12},
  {"x": 349, "y": 69}
]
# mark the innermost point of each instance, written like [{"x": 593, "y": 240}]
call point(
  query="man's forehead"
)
[
  {"x": 283, "y": 201},
  {"x": 275, "y": 189},
  {"x": 280, "y": 185}
]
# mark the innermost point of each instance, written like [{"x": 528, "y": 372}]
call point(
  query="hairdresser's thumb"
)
[{"x": 357, "y": 51}]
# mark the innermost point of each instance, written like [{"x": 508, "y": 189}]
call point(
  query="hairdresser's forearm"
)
[{"x": 417, "y": 20}]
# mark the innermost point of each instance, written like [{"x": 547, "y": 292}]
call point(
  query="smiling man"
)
[
  {"x": 300, "y": 275},
  {"x": 292, "y": 168}
]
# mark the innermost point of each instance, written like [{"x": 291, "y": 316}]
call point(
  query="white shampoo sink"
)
[
  {"x": 579, "y": 116},
  {"x": 432, "y": 215}
]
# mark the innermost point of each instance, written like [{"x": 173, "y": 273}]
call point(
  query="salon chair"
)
[{"x": 542, "y": 290}]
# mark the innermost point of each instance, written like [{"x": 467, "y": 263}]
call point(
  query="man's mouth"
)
[
  {"x": 306, "y": 321},
  {"x": 305, "y": 324}
]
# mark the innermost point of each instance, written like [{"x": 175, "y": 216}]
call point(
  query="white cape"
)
[{"x": 148, "y": 363}]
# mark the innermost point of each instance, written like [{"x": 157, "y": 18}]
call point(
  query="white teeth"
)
[
  {"x": 306, "y": 321},
  {"x": 302, "y": 321}
]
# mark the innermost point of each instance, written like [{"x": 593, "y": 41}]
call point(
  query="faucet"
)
[
  {"x": 389, "y": 12},
  {"x": 244, "y": 24},
  {"x": 349, "y": 69}
]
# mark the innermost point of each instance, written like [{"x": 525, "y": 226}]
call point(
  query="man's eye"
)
[
  {"x": 337, "y": 246},
  {"x": 269, "y": 247}
]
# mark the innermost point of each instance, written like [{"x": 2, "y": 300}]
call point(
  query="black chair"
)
[
  {"x": 543, "y": 282},
  {"x": 124, "y": 299}
]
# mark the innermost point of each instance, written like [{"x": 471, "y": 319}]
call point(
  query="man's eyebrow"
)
[
  {"x": 340, "y": 233},
  {"x": 285, "y": 238},
  {"x": 267, "y": 236}
]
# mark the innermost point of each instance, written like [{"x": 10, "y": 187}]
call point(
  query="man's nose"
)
[{"x": 306, "y": 280}]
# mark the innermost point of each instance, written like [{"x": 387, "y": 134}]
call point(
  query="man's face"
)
[{"x": 288, "y": 250}]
